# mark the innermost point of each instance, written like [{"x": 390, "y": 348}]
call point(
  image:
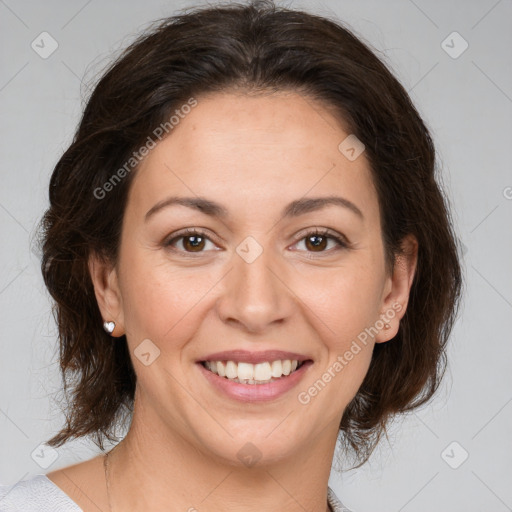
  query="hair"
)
[{"x": 254, "y": 48}]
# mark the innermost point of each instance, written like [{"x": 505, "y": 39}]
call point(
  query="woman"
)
[{"x": 250, "y": 258}]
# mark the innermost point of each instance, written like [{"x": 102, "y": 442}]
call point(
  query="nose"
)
[{"x": 255, "y": 296}]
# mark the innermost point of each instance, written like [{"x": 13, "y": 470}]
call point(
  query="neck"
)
[{"x": 171, "y": 470}]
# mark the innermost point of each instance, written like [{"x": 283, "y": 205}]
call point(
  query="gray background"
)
[{"x": 467, "y": 103}]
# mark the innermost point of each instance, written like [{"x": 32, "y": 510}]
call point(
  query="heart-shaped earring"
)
[{"x": 109, "y": 327}]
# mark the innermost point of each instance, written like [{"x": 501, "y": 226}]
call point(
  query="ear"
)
[
  {"x": 106, "y": 288},
  {"x": 397, "y": 289}
]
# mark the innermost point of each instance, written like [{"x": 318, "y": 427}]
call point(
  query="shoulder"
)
[
  {"x": 37, "y": 494},
  {"x": 335, "y": 503}
]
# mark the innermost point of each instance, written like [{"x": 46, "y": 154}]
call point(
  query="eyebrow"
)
[{"x": 294, "y": 209}]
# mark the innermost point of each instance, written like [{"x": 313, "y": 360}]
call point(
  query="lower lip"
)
[{"x": 256, "y": 392}]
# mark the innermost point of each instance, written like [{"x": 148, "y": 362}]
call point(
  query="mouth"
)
[
  {"x": 254, "y": 374},
  {"x": 253, "y": 377}
]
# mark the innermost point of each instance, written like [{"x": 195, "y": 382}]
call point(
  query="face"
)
[{"x": 252, "y": 265}]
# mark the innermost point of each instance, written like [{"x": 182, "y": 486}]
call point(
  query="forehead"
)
[{"x": 251, "y": 151}]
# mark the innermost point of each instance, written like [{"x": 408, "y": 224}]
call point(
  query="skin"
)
[{"x": 254, "y": 155}]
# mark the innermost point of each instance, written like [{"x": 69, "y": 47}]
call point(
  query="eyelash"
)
[{"x": 326, "y": 233}]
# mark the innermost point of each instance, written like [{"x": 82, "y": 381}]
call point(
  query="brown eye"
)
[
  {"x": 316, "y": 242},
  {"x": 191, "y": 242}
]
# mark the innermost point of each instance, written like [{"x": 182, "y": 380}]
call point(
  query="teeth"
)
[
  {"x": 247, "y": 373},
  {"x": 262, "y": 371},
  {"x": 231, "y": 370},
  {"x": 221, "y": 368},
  {"x": 277, "y": 369}
]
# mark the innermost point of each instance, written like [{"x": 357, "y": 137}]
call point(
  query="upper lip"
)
[{"x": 245, "y": 356}]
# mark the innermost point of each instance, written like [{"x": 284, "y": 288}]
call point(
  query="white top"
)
[{"x": 40, "y": 494}]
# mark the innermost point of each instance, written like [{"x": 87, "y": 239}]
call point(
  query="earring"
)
[{"x": 109, "y": 327}]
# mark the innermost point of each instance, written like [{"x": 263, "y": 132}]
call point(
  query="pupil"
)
[
  {"x": 317, "y": 244},
  {"x": 196, "y": 241}
]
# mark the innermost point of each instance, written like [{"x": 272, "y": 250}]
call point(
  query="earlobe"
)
[
  {"x": 106, "y": 289},
  {"x": 400, "y": 283}
]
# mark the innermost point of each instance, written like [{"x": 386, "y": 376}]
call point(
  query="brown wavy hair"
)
[{"x": 258, "y": 48}]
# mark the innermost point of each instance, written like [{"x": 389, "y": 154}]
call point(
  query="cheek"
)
[
  {"x": 342, "y": 301},
  {"x": 160, "y": 302},
  {"x": 343, "y": 306}
]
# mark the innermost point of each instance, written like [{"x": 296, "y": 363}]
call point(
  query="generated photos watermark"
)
[
  {"x": 305, "y": 397},
  {"x": 137, "y": 156}
]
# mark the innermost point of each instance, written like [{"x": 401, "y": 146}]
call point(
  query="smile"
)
[
  {"x": 247, "y": 373},
  {"x": 254, "y": 382}
]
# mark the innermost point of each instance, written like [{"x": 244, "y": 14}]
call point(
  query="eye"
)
[
  {"x": 317, "y": 240},
  {"x": 192, "y": 241}
]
